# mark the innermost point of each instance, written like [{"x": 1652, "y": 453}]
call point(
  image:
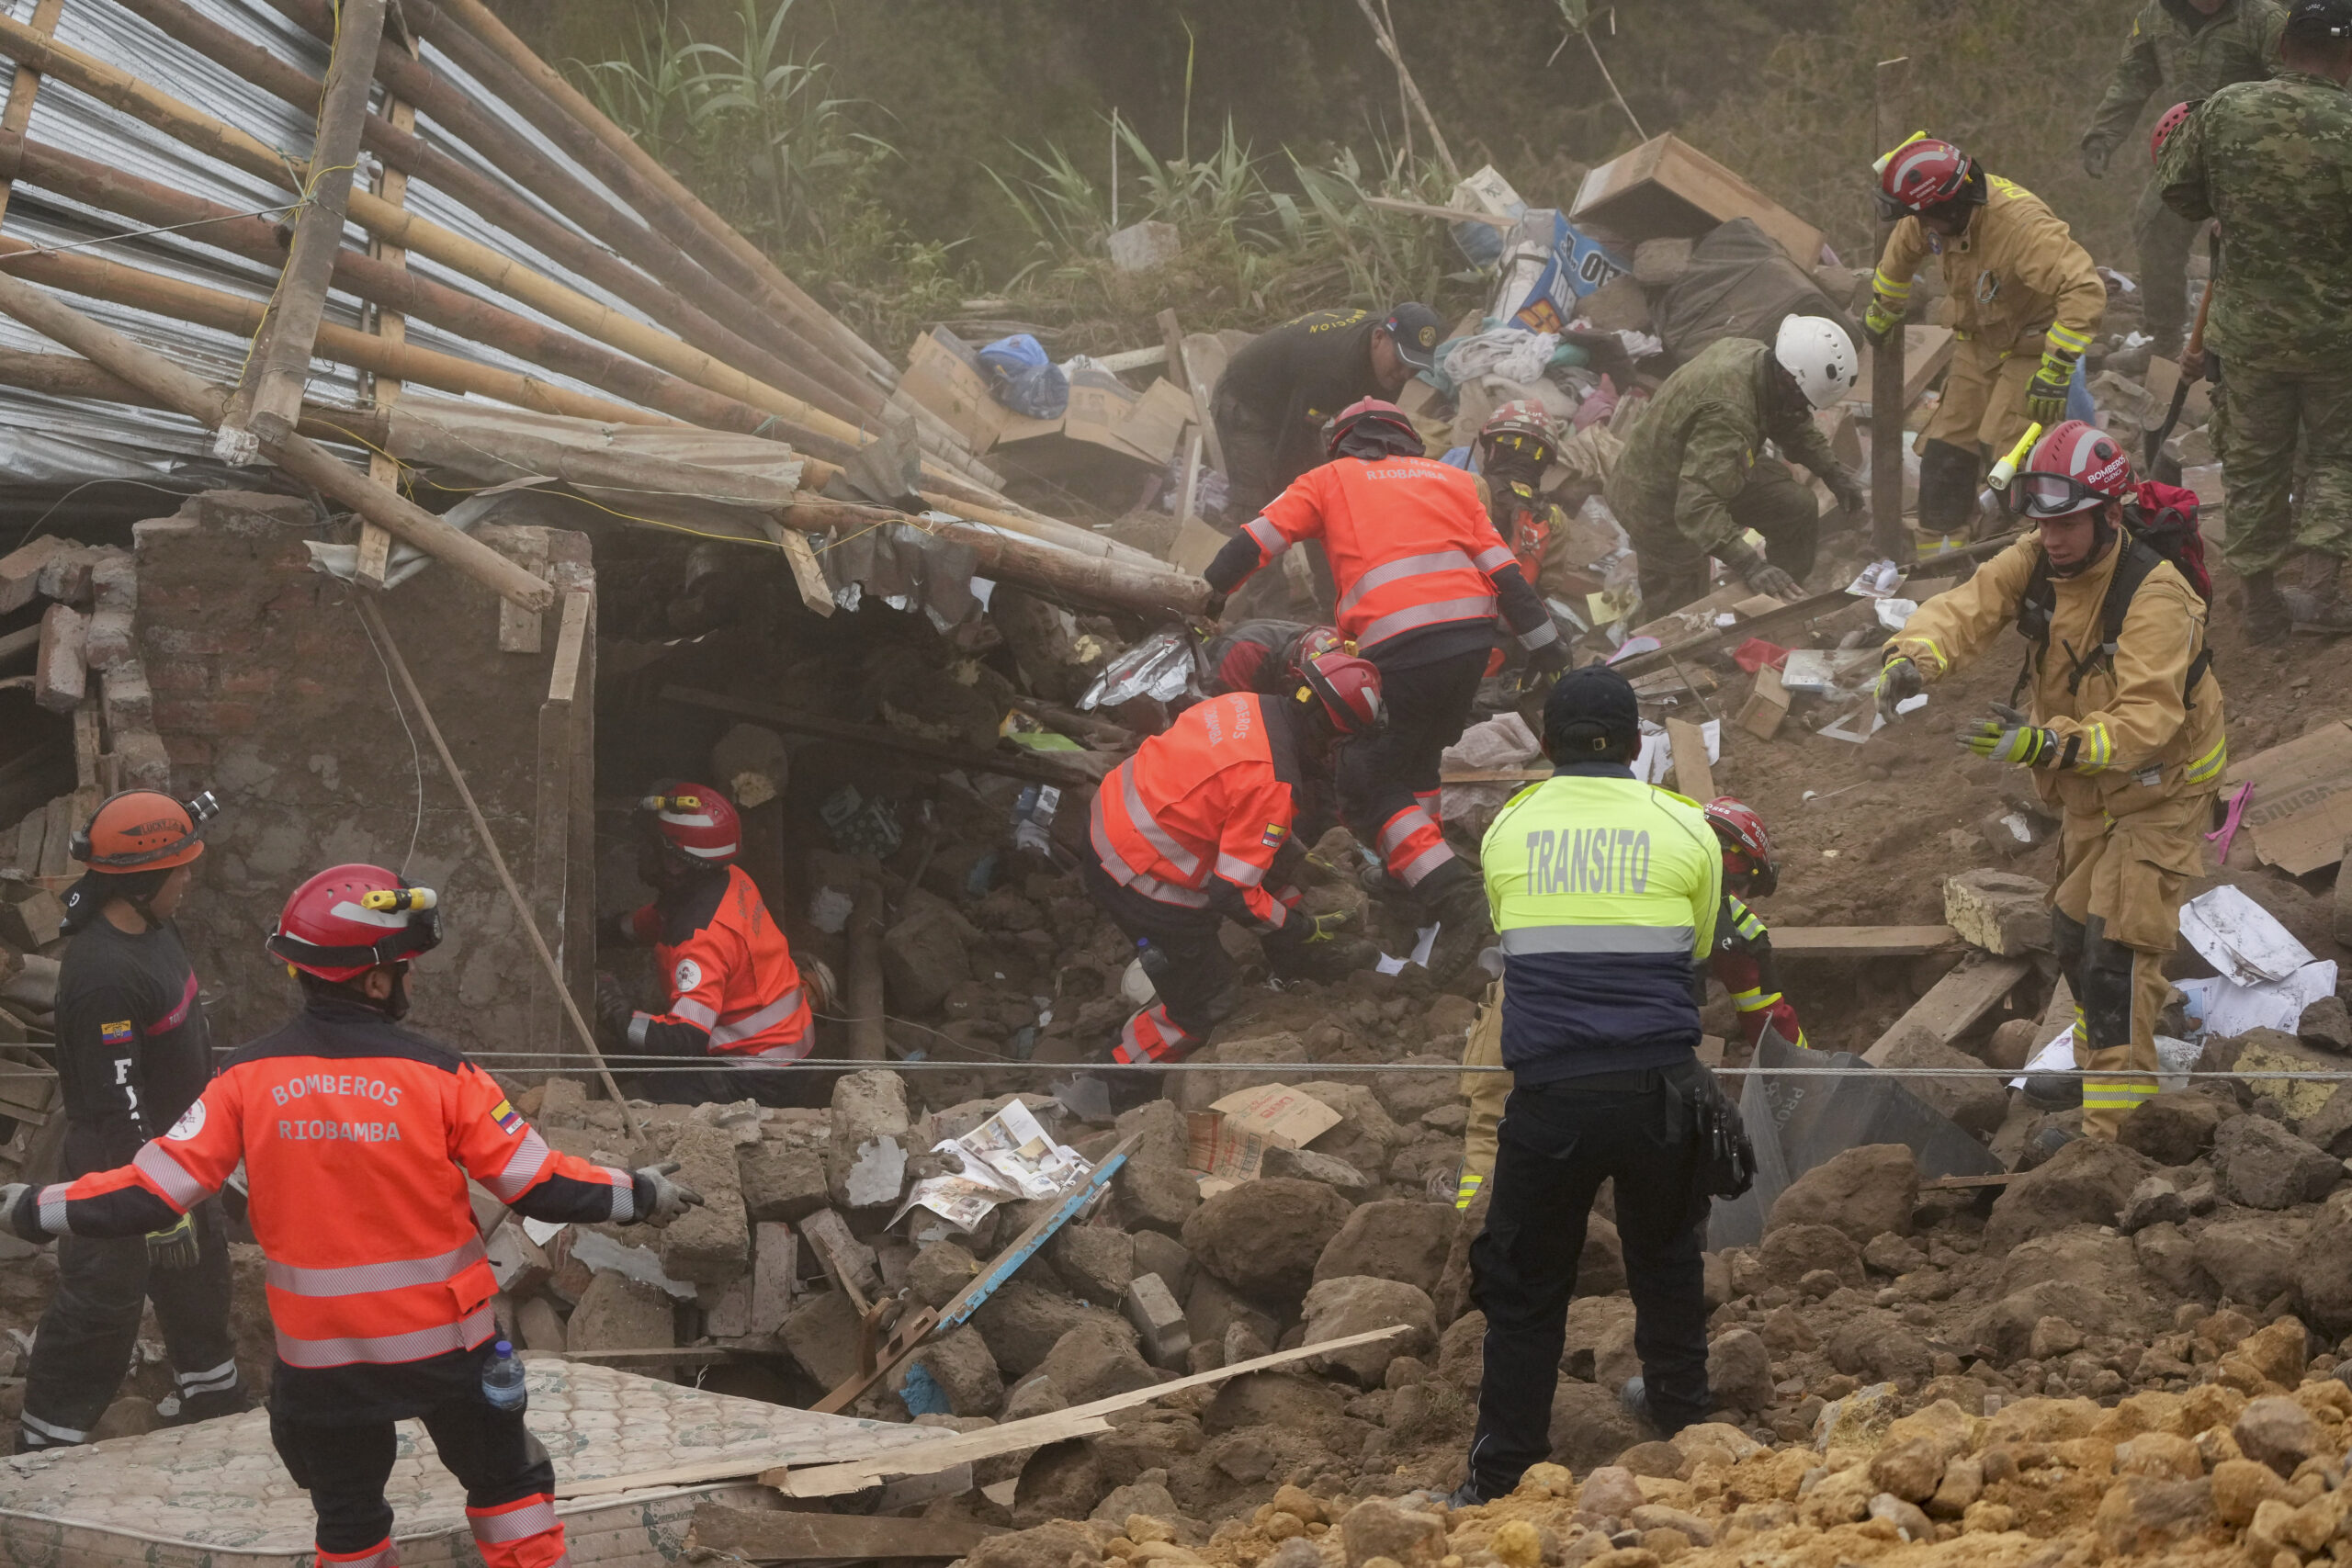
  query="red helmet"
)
[
  {"x": 1925, "y": 173},
  {"x": 2167, "y": 123},
  {"x": 1522, "y": 417},
  {"x": 695, "y": 821},
  {"x": 1348, "y": 689},
  {"x": 2075, "y": 467},
  {"x": 1748, "y": 848},
  {"x": 1313, "y": 644},
  {"x": 141, "y": 829},
  {"x": 349, "y": 918},
  {"x": 1395, "y": 428}
]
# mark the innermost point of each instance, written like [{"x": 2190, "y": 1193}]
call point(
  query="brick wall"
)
[{"x": 264, "y": 689}]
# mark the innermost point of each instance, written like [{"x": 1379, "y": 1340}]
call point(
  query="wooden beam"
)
[
  {"x": 304, "y": 459},
  {"x": 268, "y": 398},
  {"x": 768, "y": 1535},
  {"x": 1890, "y": 537},
  {"x": 25, "y": 86},
  {"x": 1034, "y": 768},
  {"x": 392, "y": 188},
  {"x": 1955, "y": 1002},
  {"x": 1693, "y": 774},
  {"x": 1862, "y": 942}
]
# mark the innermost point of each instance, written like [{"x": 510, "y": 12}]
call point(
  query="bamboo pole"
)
[
  {"x": 305, "y": 459},
  {"x": 391, "y": 186},
  {"x": 25, "y": 85},
  {"x": 269, "y": 396},
  {"x": 402, "y": 150},
  {"x": 71, "y": 376},
  {"x": 1387, "y": 42}
]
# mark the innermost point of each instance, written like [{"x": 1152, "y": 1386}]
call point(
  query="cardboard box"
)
[
  {"x": 2302, "y": 808},
  {"x": 944, "y": 376},
  {"x": 1279, "y": 1113},
  {"x": 1666, "y": 188},
  {"x": 1767, "y": 706}
]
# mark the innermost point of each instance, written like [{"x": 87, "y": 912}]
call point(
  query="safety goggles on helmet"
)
[{"x": 2052, "y": 495}]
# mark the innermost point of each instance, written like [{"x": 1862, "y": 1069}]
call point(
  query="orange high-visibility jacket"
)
[
  {"x": 734, "y": 990},
  {"x": 1410, "y": 544},
  {"x": 358, "y": 1137},
  {"x": 1197, "y": 815}
]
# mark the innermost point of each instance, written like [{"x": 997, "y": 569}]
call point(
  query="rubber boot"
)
[{"x": 2264, "y": 615}]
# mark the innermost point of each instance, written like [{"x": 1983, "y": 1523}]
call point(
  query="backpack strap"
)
[
  {"x": 2036, "y": 605},
  {"x": 2139, "y": 559}
]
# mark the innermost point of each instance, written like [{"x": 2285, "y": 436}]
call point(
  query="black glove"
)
[
  {"x": 2094, "y": 157},
  {"x": 1212, "y": 605},
  {"x": 174, "y": 1246},
  {"x": 613, "y": 1009},
  {"x": 665, "y": 1199},
  {"x": 1551, "y": 657},
  {"x": 1847, "y": 488},
  {"x": 1898, "y": 681},
  {"x": 19, "y": 1213}
]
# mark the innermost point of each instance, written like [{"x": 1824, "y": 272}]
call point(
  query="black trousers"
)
[
  {"x": 1380, "y": 775},
  {"x": 83, "y": 1346},
  {"x": 1555, "y": 1146},
  {"x": 345, "y": 1467},
  {"x": 1198, "y": 971}
]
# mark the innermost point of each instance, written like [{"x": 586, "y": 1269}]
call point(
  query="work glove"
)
[
  {"x": 2045, "y": 395},
  {"x": 174, "y": 1246},
  {"x": 1322, "y": 927},
  {"x": 666, "y": 1200},
  {"x": 1880, "y": 318},
  {"x": 2010, "y": 737},
  {"x": 1552, "y": 657},
  {"x": 1846, "y": 490},
  {"x": 2094, "y": 157},
  {"x": 1212, "y": 606},
  {"x": 1771, "y": 580},
  {"x": 16, "y": 1212},
  {"x": 613, "y": 1008},
  {"x": 1898, "y": 681}
]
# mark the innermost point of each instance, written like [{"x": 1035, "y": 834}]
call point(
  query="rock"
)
[
  {"x": 128, "y": 1417},
  {"x": 2169, "y": 1258},
  {"x": 925, "y": 956},
  {"x": 711, "y": 1245},
  {"x": 2327, "y": 1025},
  {"x": 617, "y": 1313},
  {"x": 2330, "y": 1127},
  {"x": 2242, "y": 1485},
  {"x": 1962, "y": 1483},
  {"x": 1155, "y": 1190},
  {"x": 1061, "y": 1481},
  {"x": 1601, "y": 1267},
  {"x": 1611, "y": 1491},
  {"x": 2147, "y": 1515},
  {"x": 782, "y": 1181},
  {"x": 1095, "y": 1261},
  {"x": 2277, "y": 1350},
  {"x": 1876, "y": 1347},
  {"x": 2053, "y": 1338},
  {"x": 1978, "y": 1105},
  {"x": 1212, "y": 1307},
  {"x": 1589, "y": 1428},
  {"x": 1366, "y": 1135},
  {"x": 940, "y": 1272},
  {"x": 1299, "y": 1551},
  {"x": 540, "y": 1326},
  {"x": 1150, "y": 1499},
  {"x": 821, "y": 1334},
  {"x": 2260, "y": 1164},
  {"x": 2177, "y": 1125},
  {"x": 1305, "y": 1165},
  {"x": 2165, "y": 1455},
  {"x": 1165, "y": 1255},
  {"x": 1023, "y": 1322},
  {"x": 1349, "y": 1304},
  {"x": 1857, "y": 1420},
  {"x": 1274, "y": 1399},
  {"x": 1378, "y": 1528},
  {"x": 2251, "y": 1260},
  {"x": 1096, "y": 1359},
  {"x": 1263, "y": 1238},
  {"x": 1060, "y": 1544},
  {"x": 2258, "y": 1051},
  {"x": 1739, "y": 1370},
  {"x": 2087, "y": 1182},
  {"x": 1999, "y": 911},
  {"x": 1864, "y": 1191},
  {"x": 959, "y": 1362},
  {"x": 2278, "y": 1432},
  {"x": 1398, "y": 1238},
  {"x": 1911, "y": 1470},
  {"x": 2155, "y": 1201},
  {"x": 1033, "y": 1396},
  {"x": 1889, "y": 1254},
  {"x": 869, "y": 1107},
  {"x": 1790, "y": 1252},
  {"x": 2011, "y": 1045},
  {"x": 2323, "y": 1267}
]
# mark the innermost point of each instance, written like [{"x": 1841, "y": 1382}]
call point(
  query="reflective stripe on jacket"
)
[
  {"x": 734, "y": 990},
  {"x": 1605, "y": 893},
  {"x": 1196, "y": 815}
]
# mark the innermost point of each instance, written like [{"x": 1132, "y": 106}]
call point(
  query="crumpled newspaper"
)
[{"x": 1008, "y": 1158}]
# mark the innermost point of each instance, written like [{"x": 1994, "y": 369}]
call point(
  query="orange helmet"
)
[{"x": 142, "y": 829}]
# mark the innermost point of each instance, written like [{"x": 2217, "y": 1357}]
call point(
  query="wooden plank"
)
[
  {"x": 1862, "y": 942},
  {"x": 1134, "y": 359},
  {"x": 767, "y": 1535},
  {"x": 1033, "y": 769},
  {"x": 269, "y": 399},
  {"x": 392, "y": 184},
  {"x": 521, "y": 630},
  {"x": 24, "y": 86},
  {"x": 570, "y": 647},
  {"x": 1957, "y": 1000},
  {"x": 1497, "y": 775},
  {"x": 807, "y": 575},
  {"x": 1185, "y": 369},
  {"x": 847, "y": 1262},
  {"x": 1693, "y": 774}
]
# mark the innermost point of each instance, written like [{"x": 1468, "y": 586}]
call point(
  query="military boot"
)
[
  {"x": 2264, "y": 615},
  {"x": 2330, "y": 609}
]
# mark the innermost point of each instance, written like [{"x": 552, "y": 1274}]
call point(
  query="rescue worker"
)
[
  {"x": 358, "y": 1137},
  {"x": 2185, "y": 50},
  {"x": 1263, "y": 656},
  {"x": 132, "y": 1053},
  {"x": 1201, "y": 826},
  {"x": 2273, "y": 160},
  {"x": 1282, "y": 388},
  {"x": 1694, "y": 477},
  {"x": 2125, "y": 736},
  {"x": 1516, "y": 446},
  {"x": 1742, "y": 962},
  {"x": 734, "y": 993},
  {"x": 2023, "y": 298},
  {"x": 1606, "y": 891},
  {"x": 1419, "y": 572}
]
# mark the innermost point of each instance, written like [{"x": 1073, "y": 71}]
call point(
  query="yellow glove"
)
[
  {"x": 2045, "y": 395},
  {"x": 1882, "y": 317},
  {"x": 174, "y": 1246}
]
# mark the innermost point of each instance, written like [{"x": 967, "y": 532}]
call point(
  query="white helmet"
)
[{"x": 1817, "y": 351}]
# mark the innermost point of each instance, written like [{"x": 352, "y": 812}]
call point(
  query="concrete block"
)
[
  {"x": 519, "y": 1264},
  {"x": 32, "y": 920},
  {"x": 1140, "y": 247},
  {"x": 726, "y": 1309},
  {"x": 868, "y": 1107},
  {"x": 110, "y": 641},
  {"x": 617, "y": 1313},
  {"x": 846, "y": 1260},
  {"x": 540, "y": 1326},
  {"x": 1151, "y": 1307},
  {"x": 775, "y": 1259},
  {"x": 1999, "y": 911},
  {"x": 782, "y": 1181},
  {"x": 60, "y": 675},
  {"x": 821, "y": 1334},
  {"x": 144, "y": 762},
  {"x": 712, "y": 1244}
]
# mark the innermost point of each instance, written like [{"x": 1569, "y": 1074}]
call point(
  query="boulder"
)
[
  {"x": 1155, "y": 1190},
  {"x": 1023, "y": 1322},
  {"x": 1601, "y": 1267},
  {"x": 1978, "y": 1105},
  {"x": 2169, "y": 1258},
  {"x": 2327, "y": 1025},
  {"x": 1061, "y": 1481},
  {"x": 1348, "y": 1304},
  {"x": 959, "y": 1363},
  {"x": 1396, "y": 1239},
  {"x": 2261, "y": 1051},
  {"x": 2087, "y": 1182},
  {"x": 1308, "y": 1166},
  {"x": 869, "y": 1109},
  {"x": 821, "y": 1334},
  {"x": 617, "y": 1313},
  {"x": 2260, "y": 1164},
  {"x": 1999, "y": 911},
  {"x": 2323, "y": 1267},
  {"x": 940, "y": 1272},
  {"x": 1739, "y": 1370},
  {"x": 782, "y": 1181},
  {"x": 2155, "y": 1201},
  {"x": 1865, "y": 1192},
  {"x": 710, "y": 1245},
  {"x": 1263, "y": 1238},
  {"x": 1589, "y": 1428},
  {"x": 1793, "y": 1251},
  {"x": 2330, "y": 1127},
  {"x": 1212, "y": 1307},
  {"x": 2177, "y": 1125},
  {"x": 2144, "y": 1516},
  {"x": 1060, "y": 1544},
  {"x": 1096, "y": 1359},
  {"x": 1156, "y": 1253},
  {"x": 1366, "y": 1135},
  {"x": 925, "y": 956},
  {"x": 1095, "y": 1261},
  {"x": 1377, "y": 1527},
  {"x": 2278, "y": 1432}
]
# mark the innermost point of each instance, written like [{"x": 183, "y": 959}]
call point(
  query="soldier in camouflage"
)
[
  {"x": 2183, "y": 50},
  {"x": 2273, "y": 162}
]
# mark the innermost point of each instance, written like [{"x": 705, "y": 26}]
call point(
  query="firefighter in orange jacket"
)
[
  {"x": 1419, "y": 572},
  {"x": 1186, "y": 834},
  {"x": 358, "y": 1136},
  {"x": 734, "y": 992}
]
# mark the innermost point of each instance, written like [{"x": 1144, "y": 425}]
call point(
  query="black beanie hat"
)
[{"x": 1592, "y": 712}]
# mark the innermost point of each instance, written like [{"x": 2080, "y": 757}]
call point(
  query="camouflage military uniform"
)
[
  {"x": 2176, "y": 53},
  {"x": 2273, "y": 160},
  {"x": 1694, "y": 475}
]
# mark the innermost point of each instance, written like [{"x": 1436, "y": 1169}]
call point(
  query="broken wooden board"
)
[
  {"x": 2301, "y": 807},
  {"x": 1955, "y": 1002},
  {"x": 767, "y": 1535},
  {"x": 1862, "y": 942},
  {"x": 1693, "y": 774}
]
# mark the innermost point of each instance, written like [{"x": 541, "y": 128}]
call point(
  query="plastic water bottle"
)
[{"x": 502, "y": 1380}]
